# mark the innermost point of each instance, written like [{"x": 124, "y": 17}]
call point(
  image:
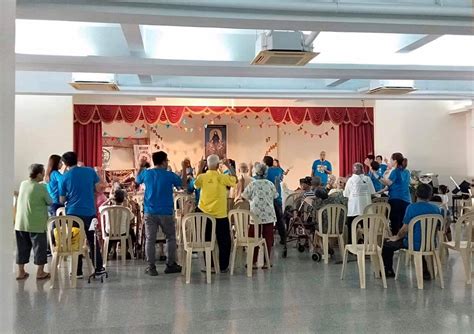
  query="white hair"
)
[
  {"x": 260, "y": 169},
  {"x": 213, "y": 161}
]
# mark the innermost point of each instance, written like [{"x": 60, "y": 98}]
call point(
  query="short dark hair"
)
[
  {"x": 159, "y": 157},
  {"x": 306, "y": 180},
  {"x": 379, "y": 156},
  {"x": 443, "y": 189},
  {"x": 232, "y": 163},
  {"x": 268, "y": 160},
  {"x": 374, "y": 165},
  {"x": 424, "y": 192},
  {"x": 35, "y": 170},
  {"x": 119, "y": 196},
  {"x": 370, "y": 156},
  {"x": 69, "y": 158}
]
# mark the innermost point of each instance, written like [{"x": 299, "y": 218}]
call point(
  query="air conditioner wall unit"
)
[
  {"x": 94, "y": 81},
  {"x": 283, "y": 48}
]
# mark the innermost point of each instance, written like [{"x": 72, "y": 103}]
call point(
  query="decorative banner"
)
[
  {"x": 106, "y": 156},
  {"x": 215, "y": 140},
  {"x": 142, "y": 154},
  {"x": 271, "y": 148},
  {"x": 84, "y": 114}
]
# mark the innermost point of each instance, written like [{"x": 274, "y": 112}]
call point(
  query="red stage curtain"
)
[
  {"x": 88, "y": 143},
  {"x": 85, "y": 114},
  {"x": 355, "y": 142}
]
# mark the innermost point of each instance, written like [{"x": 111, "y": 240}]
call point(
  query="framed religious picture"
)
[
  {"x": 106, "y": 156},
  {"x": 142, "y": 154},
  {"x": 215, "y": 140}
]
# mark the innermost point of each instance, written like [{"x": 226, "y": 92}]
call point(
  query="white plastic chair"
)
[
  {"x": 61, "y": 211},
  {"x": 115, "y": 223},
  {"x": 372, "y": 224},
  {"x": 194, "y": 240},
  {"x": 183, "y": 204},
  {"x": 334, "y": 213},
  {"x": 429, "y": 226},
  {"x": 463, "y": 245},
  {"x": 380, "y": 208},
  {"x": 241, "y": 220},
  {"x": 62, "y": 246}
]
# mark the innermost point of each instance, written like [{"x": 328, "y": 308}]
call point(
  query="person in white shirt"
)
[{"x": 359, "y": 190}]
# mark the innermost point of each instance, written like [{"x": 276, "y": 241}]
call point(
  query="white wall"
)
[
  {"x": 425, "y": 132},
  {"x": 470, "y": 143},
  {"x": 43, "y": 126}
]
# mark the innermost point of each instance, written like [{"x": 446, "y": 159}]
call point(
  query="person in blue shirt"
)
[
  {"x": 400, "y": 240},
  {"x": 52, "y": 179},
  {"x": 382, "y": 166},
  {"x": 374, "y": 176},
  {"x": 275, "y": 175},
  {"x": 399, "y": 196},
  {"x": 77, "y": 191},
  {"x": 159, "y": 209},
  {"x": 322, "y": 168}
]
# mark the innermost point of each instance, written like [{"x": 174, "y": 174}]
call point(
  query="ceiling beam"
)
[
  {"x": 418, "y": 43},
  {"x": 335, "y": 82},
  {"x": 133, "y": 36},
  {"x": 285, "y": 15},
  {"x": 163, "y": 67}
]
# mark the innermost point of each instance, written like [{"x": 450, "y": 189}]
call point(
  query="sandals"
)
[
  {"x": 21, "y": 278},
  {"x": 45, "y": 277}
]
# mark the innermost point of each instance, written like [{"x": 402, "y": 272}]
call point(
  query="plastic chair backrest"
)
[
  {"x": 194, "y": 229},
  {"x": 334, "y": 213},
  {"x": 378, "y": 208},
  {"x": 429, "y": 226},
  {"x": 61, "y": 211},
  {"x": 183, "y": 204},
  {"x": 466, "y": 221},
  {"x": 380, "y": 200},
  {"x": 241, "y": 220},
  {"x": 115, "y": 221},
  {"x": 371, "y": 225},
  {"x": 61, "y": 227}
]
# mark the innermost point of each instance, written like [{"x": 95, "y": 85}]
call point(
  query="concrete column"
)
[{"x": 7, "y": 127}]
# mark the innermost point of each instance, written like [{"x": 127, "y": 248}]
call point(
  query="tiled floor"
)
[{"x": 296, "y": 296}]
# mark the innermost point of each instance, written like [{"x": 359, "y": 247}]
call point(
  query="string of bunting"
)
[{"x": 308, "y": 133}]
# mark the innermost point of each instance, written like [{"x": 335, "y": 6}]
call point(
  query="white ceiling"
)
[{"x": 207, "y": 52}]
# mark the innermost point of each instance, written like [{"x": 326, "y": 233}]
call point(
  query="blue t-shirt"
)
[
  {"x": 318, "y": 170},
  {"x": 78, "y": 186},
  {"x": 400, "y": 187},
  {"x": 191, "y": 189},
  {"x": 375, "y": 181},
  {"x": 382, "y": 169},
  {"x": 414, "y": 210},
  {"x": 275, "y": 176},
  {"x": 55, "y": 178},
  {"x": 159, "y": 184}
]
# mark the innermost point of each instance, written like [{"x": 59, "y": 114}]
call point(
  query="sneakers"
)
[
  {"x": 151, "y": 271},
  {"x": 173, "y": 269}
]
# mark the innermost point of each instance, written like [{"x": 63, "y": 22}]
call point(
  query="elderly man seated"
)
[
  {"x": 213, "y": 201},
  {"x": 421, "y": 207}
]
